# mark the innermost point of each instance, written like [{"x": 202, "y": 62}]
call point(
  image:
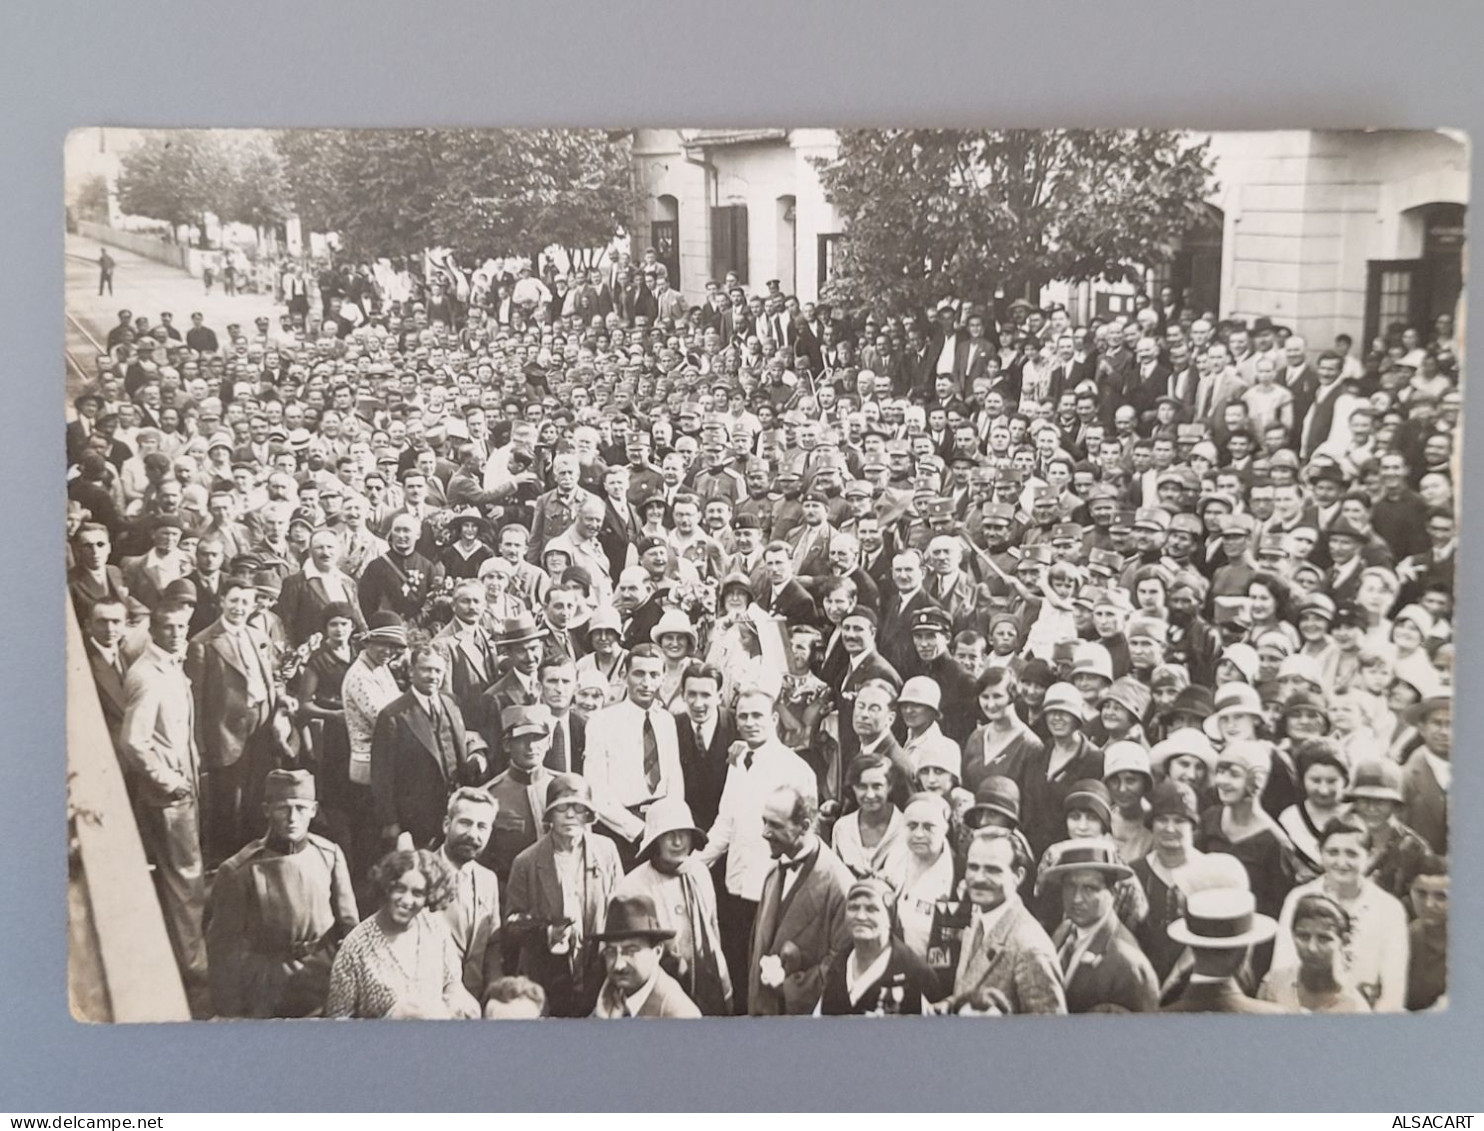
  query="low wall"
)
[{"x": 151, "y": 247}]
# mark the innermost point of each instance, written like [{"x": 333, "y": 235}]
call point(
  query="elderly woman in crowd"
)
[
  {"x": 878, "y": 975},
  {"x": 401, "y": 962}
]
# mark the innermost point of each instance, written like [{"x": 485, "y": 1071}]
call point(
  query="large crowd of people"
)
[{"x": 518, "y": 645}]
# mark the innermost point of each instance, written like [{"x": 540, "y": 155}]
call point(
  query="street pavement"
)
[{"x": 147, "y": 288}]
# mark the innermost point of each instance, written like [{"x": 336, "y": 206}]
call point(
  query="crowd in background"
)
[{"x": 519, "y": 644}]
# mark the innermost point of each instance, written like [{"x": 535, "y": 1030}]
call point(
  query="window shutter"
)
[
  {"x": 739, "y": 242},
  {"x": 729, "y": 241}
]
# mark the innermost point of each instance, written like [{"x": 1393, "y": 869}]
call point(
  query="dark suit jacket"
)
[
  {"x": 817, "y": 562},
  {"x": 705, "y": 769},
  {"x": 577, "y": 734},
  {"x": 1425, "y": 805},
  {"x": 895, "y": 636},
  {"x": 643, "y": 620},
  {"x": 793, "y": 603},
  {"x": 507, "y": 691},
  {"x": 619, "y": 531},
  {"x": 966, "y": 368},
  {"x": 470, "y": 672},
  {"x": 410, "y": 779},
  {"x": 1219, "y": 997},
  {"x": 1112, "y": 975},
  {"x": 301, "y": 606},
  {"x": 85, "y": 592},
  {"x": 533, "y": 901},
  {"x": 219, "y": 680},
  {"x": 110, "y": 691},
  {"x": 811, "y": 917}
]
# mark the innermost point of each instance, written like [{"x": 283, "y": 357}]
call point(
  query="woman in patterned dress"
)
[{"x": 401, "y": 962}]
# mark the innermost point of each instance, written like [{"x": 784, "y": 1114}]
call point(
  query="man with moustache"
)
[
  {"x": 1004, "y": 949},
  {"x": 474, "y": 913}
]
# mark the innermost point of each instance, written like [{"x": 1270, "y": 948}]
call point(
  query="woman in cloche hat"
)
[{"x": 669, "y": 872}]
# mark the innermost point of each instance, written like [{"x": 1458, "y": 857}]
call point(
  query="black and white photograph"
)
[{"x": 747, "y": 572}]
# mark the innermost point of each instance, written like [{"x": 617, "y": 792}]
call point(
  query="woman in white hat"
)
[
  {"x": 1046, "y": 780},
  {"x": 501, "y": 603},
  {"x": 1238, "y": 715},
  {"x": 677, "y": 639},
  {"x": 1130, "y": 780},
  {"x": 669, "y": 871},
  {"x": 1237, "y": 824},
  {"x": 608, "y": 660},
  {"x": 918, "y": 705},
  {"x": 1410, "y": 630},
  {"x": 1375, "y": 960}
]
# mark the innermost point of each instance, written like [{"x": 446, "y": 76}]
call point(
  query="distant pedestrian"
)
[{"x": 105, "y": 271}]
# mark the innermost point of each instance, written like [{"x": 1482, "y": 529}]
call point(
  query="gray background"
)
[{"x": 416, "y": 62}]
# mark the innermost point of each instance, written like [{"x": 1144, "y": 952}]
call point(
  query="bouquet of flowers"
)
[
  {"x": 437, "y": 607},
  {"x": 294, "y": 661}
]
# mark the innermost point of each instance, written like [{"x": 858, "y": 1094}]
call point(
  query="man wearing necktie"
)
[
  {"x": 1006, "y": 951},
  {"x": 420, "y": 754},
  {"x": 558, "y": 685},
  {"x": 471, "y": 662},
  {"x": 633, "y": 755},
  {"x": 230, "y": 666}
]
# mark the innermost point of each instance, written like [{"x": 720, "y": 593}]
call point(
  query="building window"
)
[
  {"x": 829, "y": 248},
  {"x": 729, "y": 242}
]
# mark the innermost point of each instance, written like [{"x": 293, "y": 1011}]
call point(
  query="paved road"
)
[{"x": 146, "y": 288}]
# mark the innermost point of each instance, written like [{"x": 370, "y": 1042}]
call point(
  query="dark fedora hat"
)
[{"x": 632, "y": 917}]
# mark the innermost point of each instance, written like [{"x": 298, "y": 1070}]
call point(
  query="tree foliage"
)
[
  {"x": 92, "y": 199},
  {"x": 177, "y": 176},
  {"x": 255, "y": 188},
  {"x": 930, "y": 214},
  {"x": 180, "y": 176},
  {"x": 484, "y": 193}
]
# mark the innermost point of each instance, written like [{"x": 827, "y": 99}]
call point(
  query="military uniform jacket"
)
[{"x": 272, "y": 923}]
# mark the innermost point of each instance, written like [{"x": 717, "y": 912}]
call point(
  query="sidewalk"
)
[{"x": 147, "y": 288}]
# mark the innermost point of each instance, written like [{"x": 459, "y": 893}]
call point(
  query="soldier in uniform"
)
[
  {"x": 277, "y": 911},
  {"x": 520, "y": 790}
]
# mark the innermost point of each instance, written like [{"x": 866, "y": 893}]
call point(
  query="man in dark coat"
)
[
  {"x": 420, "y": 754},
  {"x": 704, "y": 734},
  {"x": 931, "y": 632},
  {"x": 1103, "y": 968},
  {"x": 800, "y": 927},
  {"x": 782, "y": 595},
  {"x": 1221, "y": 926}
]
